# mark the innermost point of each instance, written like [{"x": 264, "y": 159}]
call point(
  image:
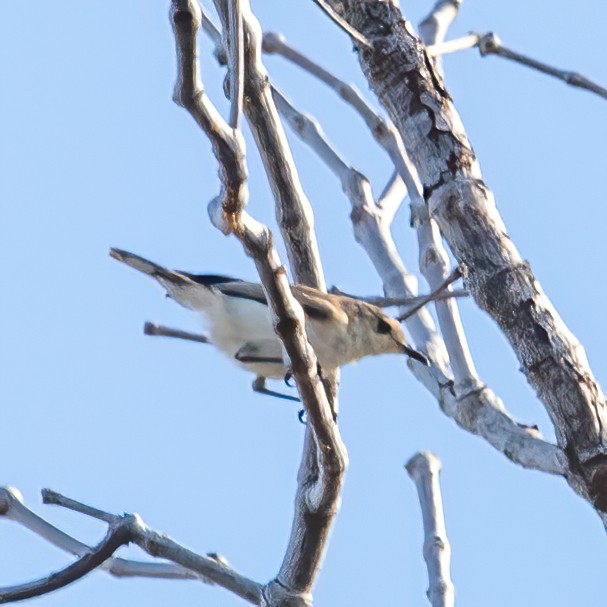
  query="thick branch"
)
[
  {"x": 293, "y": 210},
  {"x": 470, "y": 403},
  {"x": 371, "y": 228},
  {"x": 499, "y": 280},
  {"x": 424, "y": 469},
  {"x": 160, "y": 545},
  {"x": 433, "y": 259},
  {"x": 325, "y": 458}
]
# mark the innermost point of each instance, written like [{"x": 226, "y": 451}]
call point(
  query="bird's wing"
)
[
  {"x": 210, "y": 280},
  {"x": 318, "y": 305},
  {"x": 243, "y": 290},
  {"x": 260, "y": 351}
]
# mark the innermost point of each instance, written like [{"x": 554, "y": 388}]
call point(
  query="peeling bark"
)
[{"x": 501, "y": 282}]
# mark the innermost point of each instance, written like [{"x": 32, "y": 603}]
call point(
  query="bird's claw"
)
[{"x": 288, "y": 378}]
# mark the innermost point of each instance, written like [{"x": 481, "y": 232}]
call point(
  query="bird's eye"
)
[{"x": 383, "y": 326}]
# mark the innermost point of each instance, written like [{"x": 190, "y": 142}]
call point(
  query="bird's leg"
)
[{"x": 259, "y": 386}]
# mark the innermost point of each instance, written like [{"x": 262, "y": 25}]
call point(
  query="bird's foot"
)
[{"x": 288, "y": 378}]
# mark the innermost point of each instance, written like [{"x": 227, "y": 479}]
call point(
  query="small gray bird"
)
[{"x": 340, "y": 329}]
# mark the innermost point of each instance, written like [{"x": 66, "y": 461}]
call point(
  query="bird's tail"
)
[
  {"x": 145, "y": 265},
  {"x": 183, "y": 290}
]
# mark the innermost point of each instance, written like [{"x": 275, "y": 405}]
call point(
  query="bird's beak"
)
[{"x": 411, "y": 353}]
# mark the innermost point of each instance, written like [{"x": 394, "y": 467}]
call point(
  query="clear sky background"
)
[{"x": 93, "y": 154}]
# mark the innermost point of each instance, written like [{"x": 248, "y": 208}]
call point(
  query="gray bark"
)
[{"x": 501, "y": 282}]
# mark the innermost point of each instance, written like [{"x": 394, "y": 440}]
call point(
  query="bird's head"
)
[{"x": 388, "y": 335}]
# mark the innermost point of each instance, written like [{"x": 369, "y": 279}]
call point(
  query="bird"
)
[{"x": 340, "y": 329}]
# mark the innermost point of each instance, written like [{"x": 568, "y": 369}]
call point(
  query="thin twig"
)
[
  {"x": 387, "y": 302},
  {"x": 57, "y": 499},
  {"x": 150, "y": 328},
  {"x": 424, "y": 469},
  {"x": 490, "y": 44},
  {"x": 432, "y": 296}
]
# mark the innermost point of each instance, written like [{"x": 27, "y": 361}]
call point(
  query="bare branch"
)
[
  {"x": 500, "y": 281},
  {"x": 382, "y": 130},
  {"x": 150, "y": 328},
  {"x": 370, "y": 227},
  {"x": 236, "y": 63},
  {"x": 433, "y": 259},
  {"x": 118, "y": 534},
  {"x": 393, "y": 194},
  {"x": 160, "y": 545},
  {"x": 230, "y": 52},
  {"x": 325, "y": 458},
  {"x": 386, "y": 302},
  {"x": 481, "y": 412},
  {"x": 57, "y": 499},
  {"x": 424, "y": 468},
  {"x": 13, "y": 508},
  {"x": 435, "y": 25},
  {"x": 436, "y": 295},
  {"x": 490, "y": 44},
  {"x": 452, "y": 46},
  {"x": 293, "y": 209},
  {"x": 472, "y": 404},
  {"x": 189, "y": 93}
]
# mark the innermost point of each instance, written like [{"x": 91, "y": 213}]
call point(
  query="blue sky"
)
[{"x": 95, "y": 154}]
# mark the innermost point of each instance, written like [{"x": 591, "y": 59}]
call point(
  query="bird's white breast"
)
[{"x": 234, "y": 322}]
